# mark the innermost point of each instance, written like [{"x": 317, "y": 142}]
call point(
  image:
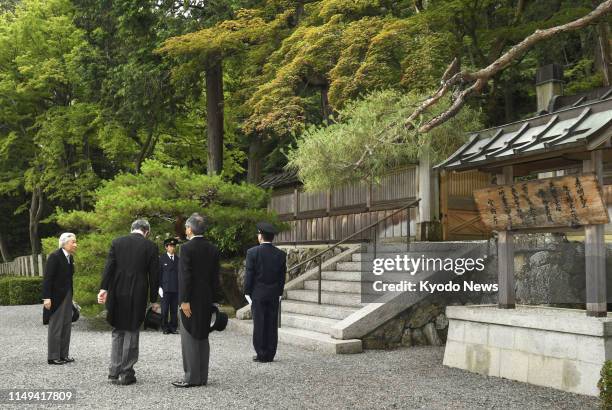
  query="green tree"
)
[{"x": 165, "y": 196}]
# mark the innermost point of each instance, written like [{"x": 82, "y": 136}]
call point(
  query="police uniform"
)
[
  {"x": 266, "y": 266},
  {"x": 168, "y": 281}
]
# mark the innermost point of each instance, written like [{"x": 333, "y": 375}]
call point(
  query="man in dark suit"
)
[
  {"x": 198, "y": 291},
  {"x": 131, "y": 276},
  {"x": 168, "y": 282},
  {"x": 264, "y": 281},
  {"x": 57, "y": 299}
]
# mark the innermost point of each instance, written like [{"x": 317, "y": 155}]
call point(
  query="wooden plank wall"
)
[
  {"x": 351, "y": 207},
  {"x": 334, "y": 228}
]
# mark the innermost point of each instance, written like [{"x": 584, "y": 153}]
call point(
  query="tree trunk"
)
[
  {"x": 325, "y": 110},
  {"x": 4, "y": 249},
  {"x": 603, "y": 51},
  {"x": 144, "y": 151},
  {"x": 36, "y": 207},
  {"x": 214, "y": 116},
  {"x": 254, "y": 160}
]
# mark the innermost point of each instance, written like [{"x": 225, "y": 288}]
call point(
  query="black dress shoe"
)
[
  {"x": 67, "y": 359},
  {"x": 174, "y": 332},
  {"x": 56, "y": 361},
  {"x": 183, "y": 384},
  {"x": 110, "y": 377},
  {"x": 166, "y": 332},
  {"x": 123, "y": 380}
]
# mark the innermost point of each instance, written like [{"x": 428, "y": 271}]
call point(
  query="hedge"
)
[{"x": 20, "y": 290}]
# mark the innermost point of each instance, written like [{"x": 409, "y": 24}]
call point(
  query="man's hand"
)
[
  {"x": 102, "y": 296},
  {"x": 47, "y": 304},
  {"x": 160, "y": 292},
  {"x": 186, "y": 308}
]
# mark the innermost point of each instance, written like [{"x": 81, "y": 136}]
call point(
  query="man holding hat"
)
[
  {"x": 168, "y": 282},
  {"x": 266, "y": 267}
]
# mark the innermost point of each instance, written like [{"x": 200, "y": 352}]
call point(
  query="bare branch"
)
[
  {"x": 481, "y": 77},
  {"x": 474, "y": 82}
]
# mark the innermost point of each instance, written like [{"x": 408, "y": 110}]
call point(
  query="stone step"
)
[
  {"x": 423, "y": 246},
  {"x": 314, "y": 309},
  {"x": 308, "y": 322},
  {"x": 328, "y": 298},
  {"x": 368, "y": 256},
  {"x": 305, "y": 338},
  {"x": 354, "y": 276},
  {"x": 351, "y": 276},
  {"x": 351, "y": 266},
  {"x": 367, "y": 266},
  {"x": 334, "y": 286}
]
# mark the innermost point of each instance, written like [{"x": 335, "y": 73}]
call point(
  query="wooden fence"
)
[
  {"x": 23, "y": 266},
  {"x": 334, "y": 214}
]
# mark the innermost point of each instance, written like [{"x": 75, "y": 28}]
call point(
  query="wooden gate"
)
[{"x": 460, "y": 218}]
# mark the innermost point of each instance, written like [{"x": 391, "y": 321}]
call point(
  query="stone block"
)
[
  {"x": 514, "y": 365},
  {"x": 418, "y": 338},
  {"x": 530, "y": 340},
  {"x": 406, "y": 337},
  {"x": 456, "y": 330},
  {"x": 441, "y": 321},
  {"x": 580, "y": 377},
  {"x": 475, "y": 333},
  {"x": 545, "y": 371},
  {"x": 593, "y": 349},
  {"x": 482, "y": 359},
  {"x": 430, "y": 332},
  {"x": 501, "y": 336},
  {"x": 561, "y": 345},
  {"x": 454, "y": 354}
]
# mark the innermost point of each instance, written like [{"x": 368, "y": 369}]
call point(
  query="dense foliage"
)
[
  {"x": 165, "y": 196},
  {"x": 91, "y": 89},
  {"x": 20, "y": 290}
]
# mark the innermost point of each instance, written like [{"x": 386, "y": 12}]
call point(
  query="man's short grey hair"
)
[
  {"x": 65, "y": 238},
  {"x": 141, "y": 225},
  {"x": 196, "y": 223}
]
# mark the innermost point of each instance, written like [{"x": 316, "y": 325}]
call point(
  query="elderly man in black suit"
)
[
  {"x": 198, "y": 292},
  {"x": 168, "y": 286},
  {"x": 264, "y": 281},
  {"x": 57, "y": 299},
  {"x": 131, "y": 276}
]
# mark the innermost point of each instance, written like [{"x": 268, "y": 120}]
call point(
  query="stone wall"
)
[
  {"x": 559, "y": 348},
  {"x": 550, "y": 271}
]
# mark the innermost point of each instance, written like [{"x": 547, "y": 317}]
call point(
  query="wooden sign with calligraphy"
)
[{"x": 567, "y": 201}]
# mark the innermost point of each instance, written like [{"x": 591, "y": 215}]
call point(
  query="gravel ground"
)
[{"x": 406, "y": 379}]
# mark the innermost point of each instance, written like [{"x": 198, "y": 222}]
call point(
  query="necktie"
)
[
  {"x": 68, "y": 257},
  {"x": 172, "y": 258}
]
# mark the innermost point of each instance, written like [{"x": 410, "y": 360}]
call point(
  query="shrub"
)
[
  {"x": 20, "y": 290},
  {"x": 165, "y": 196},
  {"x": 605, "y": 386}
]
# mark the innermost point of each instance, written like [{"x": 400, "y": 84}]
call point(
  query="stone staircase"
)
[{"x": 306, "y": 323}]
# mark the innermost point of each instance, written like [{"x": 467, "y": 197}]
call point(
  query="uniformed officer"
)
[
  {"x": 168, "y": 282},
  {"x": 266, "y": 266}
]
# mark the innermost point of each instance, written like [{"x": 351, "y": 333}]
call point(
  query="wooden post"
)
[
  {"x": 595, "y": 251},
  {"x": 505, "y": 255},
  {"x": 424, "y": 191},
  {"x": 444, "y": 178}
]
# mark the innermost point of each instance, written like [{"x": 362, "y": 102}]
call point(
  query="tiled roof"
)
[
  {"x": 278, "y": 180},
  {"x": 585, "y": 123}
]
